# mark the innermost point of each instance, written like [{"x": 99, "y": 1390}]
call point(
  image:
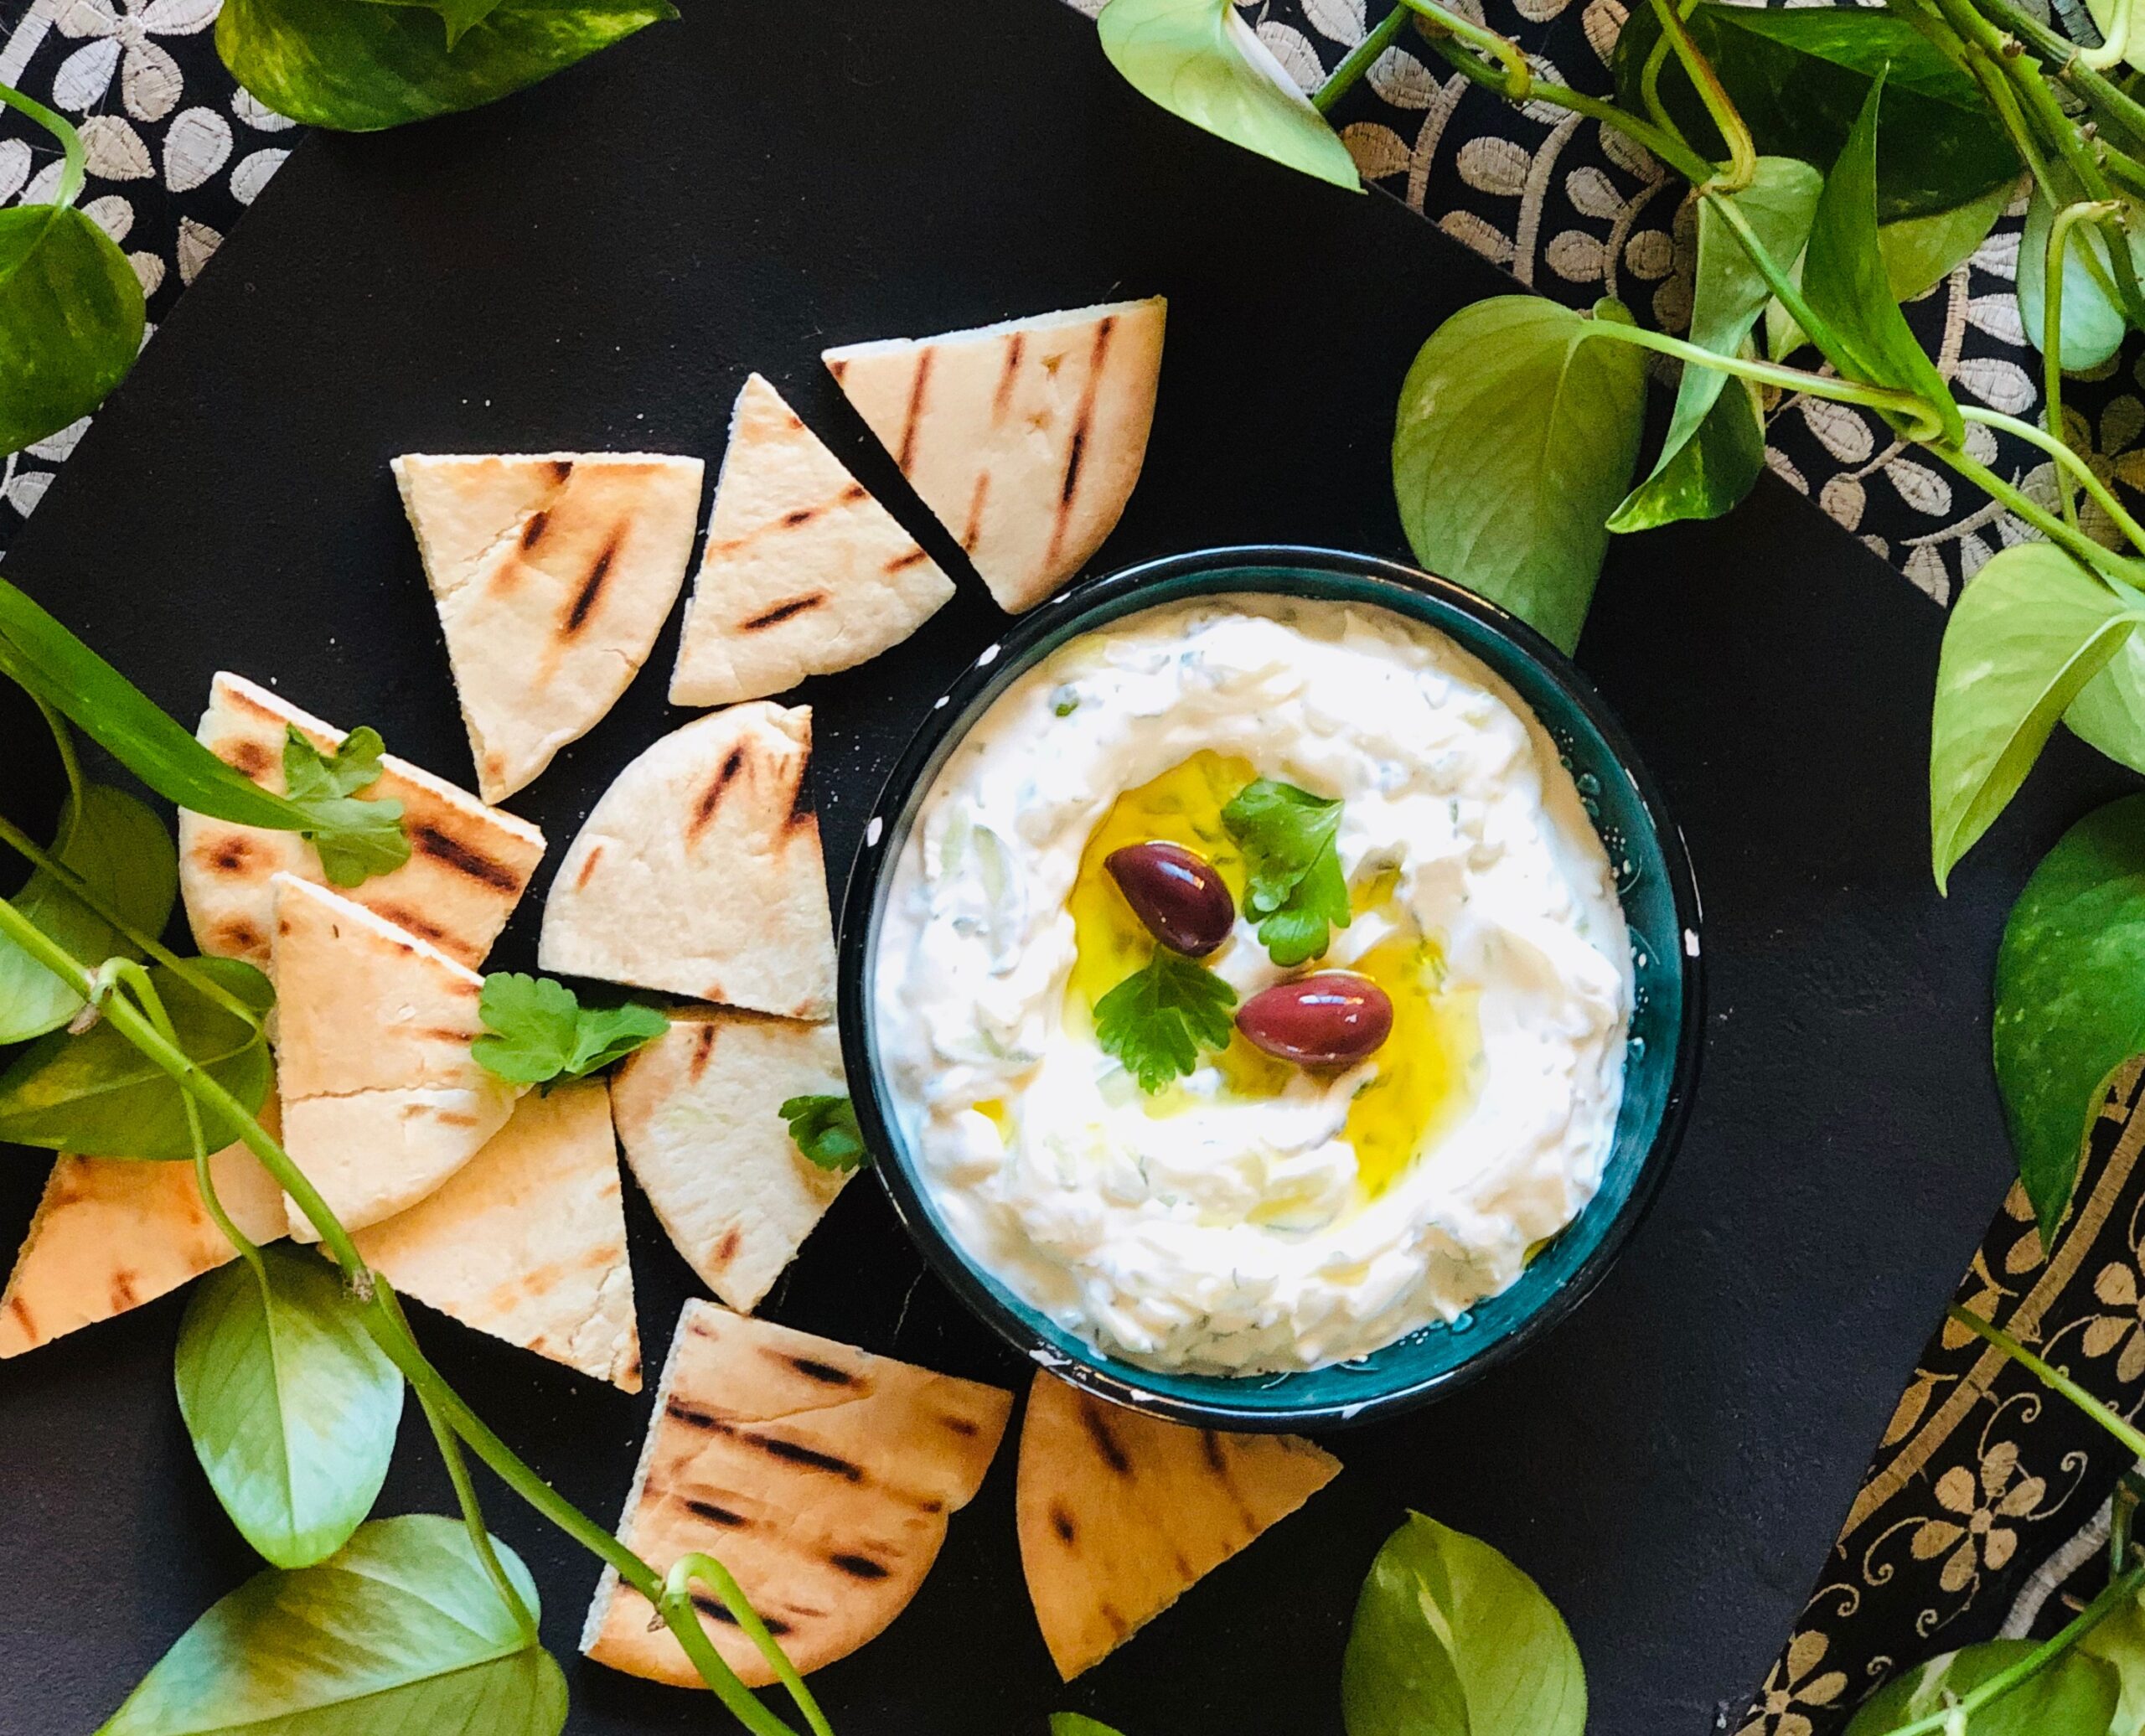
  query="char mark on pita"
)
[
  {"x": 591, "y": 588},
  {"x": 782, "y": 612}
]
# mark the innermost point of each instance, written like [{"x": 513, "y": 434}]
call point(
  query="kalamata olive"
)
[
  {"x": 1333, "y": 1018},
  {"x": 1176, "y": 894}
]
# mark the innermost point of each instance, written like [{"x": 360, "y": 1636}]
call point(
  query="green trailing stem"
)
[
  {"x": 1742, "y": 151},
  {"x": 1359, "y": 59},
  {"x": 678, "y": 1590},
  {"x": 2059, "y": 239},
  {"x": 384, "y": 1321}
]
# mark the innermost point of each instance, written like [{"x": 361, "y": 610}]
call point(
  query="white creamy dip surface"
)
[{"x": 1222, "y": 1232}]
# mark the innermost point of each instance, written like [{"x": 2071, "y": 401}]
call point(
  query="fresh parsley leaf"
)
[
  {"x": 1296, "y": 889},
  {"x": 825, "y": 1129},
  {"x": 537, "y": 1030},
  {"x": 1158, "y": 1019},
  {"x": 356, "y": 839}
]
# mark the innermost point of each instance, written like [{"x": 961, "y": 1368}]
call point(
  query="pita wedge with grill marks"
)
[
  {"x": 1025, "y": 438},
  {"x": 820, "y": 1475},
  {"x": 699, "y": 872},
  {"x": 382, "y": 1100},
  {"x": 468, "y": 864},
  {"x": 553, "y": 573},
  {"x": 699, "y": 1113},
  {"x": 1120, "y": 1513},
  {"x": 111, "y": 1234},
  {"x": 804, "y": 573},
  {"x": 527, "y": 1240}
]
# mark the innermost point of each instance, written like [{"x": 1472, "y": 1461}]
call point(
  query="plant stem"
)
[
  {"x": 1774, "y": 374},
  {"x": 1527, "y": 88},
  {"x": 74, "y": 169},
  {"x": 2077, "y": 545},
  {"x": 2067, "y": 65},
  {"x": 2055, "y": 1379},
  {"x": 1720, "y": 108},
  {"x": 2059, "y": 239},
  {"x": 2114, "y": 44},
  {"x": 385, "y": 1323},
  {"x": 200, "y": 982},
  {"x": 2066, "y": 459},
  {"x": 1358, "y": 60},
  {"x": 465, "y": 1490},
  {"x": 1954, "y": 1716},
  {"x": 678, "y": 1589},
  {"x": 63, "y": 738}
]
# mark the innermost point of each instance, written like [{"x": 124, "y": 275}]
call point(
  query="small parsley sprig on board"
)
[
  {"x": 537, "y": 1031},
  {"x": 1296, "y": 892},
  {"x": 1158, "y": 1019}
]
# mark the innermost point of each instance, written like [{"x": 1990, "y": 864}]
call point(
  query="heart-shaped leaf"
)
[
  {"x": 402, "y": 1629},
  {"x": 1201, "y": 62},
  {"x": 292, "y": 1407},
  {"x": 124, "y": 852},
  {"x": 1450, "y": 1639},
  {"x": 1516, "y": 434},
  {"x": 97, "y": 1095},
  {"x": 2070, "y": 996},
  {"x": 2030, "y": 630},
  {"x": 2075, "y": 1696}
]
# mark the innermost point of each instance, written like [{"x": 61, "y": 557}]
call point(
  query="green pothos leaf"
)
[
  {"x": 357, "y": 66},
  {"x": 1516, "y": 434},
  {"x": 2075, "y": 1696},
  {"x": 1450, "y": 1639},
  {"x": 2070, "y": 996},
  {"x": 402, "y": 1628},
  {"x": 1848, "y": 287},
  {"x": 2030, "y": 630},
  {"x": 1201, "y": 62},
  {"x": 290, "y": 1405},
  {"x": 97, "y": 1095},
  {"x": 71, "y": 309},
  {"x": 1712, "y": 455},
  {"x": 124, "y": 852},
  {"x": 2093, "y": 322},
  {"x": 2109, "y": 713}
]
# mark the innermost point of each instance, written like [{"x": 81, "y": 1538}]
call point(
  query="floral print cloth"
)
[{"x": 1986, "y": 1495}]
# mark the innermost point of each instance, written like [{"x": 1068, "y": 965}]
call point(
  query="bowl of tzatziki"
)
[{"x": 1271, "y": 986}]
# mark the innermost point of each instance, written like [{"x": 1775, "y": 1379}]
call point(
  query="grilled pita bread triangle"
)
[
  {"x": 382, "y": 1099},
  {"x": 1120, "y": 1513},
  {"x": 527, "y": 1240},
  {"x": 699, "y": 1114},
  {"x": 700, "y": 872},
  {"x": 1025, "y": 438},
  {"x": 553, "y": 573},
  {"x": 468, "y": 864},
  {"x": 820, "y": 1475},
  {"x": 111, "y": 1234},
  {"x": 804, "y": 573}
]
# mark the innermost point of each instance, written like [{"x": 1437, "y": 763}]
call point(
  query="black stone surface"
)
[{"x": 597, "y": 264}]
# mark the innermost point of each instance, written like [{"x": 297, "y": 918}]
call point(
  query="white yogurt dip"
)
[{"x": 1256, "y": 1216}]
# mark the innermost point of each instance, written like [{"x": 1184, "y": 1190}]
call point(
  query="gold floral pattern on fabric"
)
[{"x": 1982, "y": 1474}]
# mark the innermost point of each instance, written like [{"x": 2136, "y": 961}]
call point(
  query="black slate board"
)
[{"x": 597, "y": 264}]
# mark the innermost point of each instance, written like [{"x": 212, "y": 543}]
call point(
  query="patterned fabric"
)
[
  {"x": 176, "y": 151},
  {"x": 1986, "y": 1493}
]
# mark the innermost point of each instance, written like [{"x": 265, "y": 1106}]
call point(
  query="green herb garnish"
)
[
  {"x": 537, "y": 1031},
  {"x": 1296, "y": 892},
  {"x": 824, "y": 1129},
  {"x": 1158, "y": 1019},
  {"x": 356, "y": 839}
]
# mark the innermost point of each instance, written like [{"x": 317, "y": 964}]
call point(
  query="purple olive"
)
[
  {"x": 1178, "y": 895},
  {"x": 1334, "y": 1018}
]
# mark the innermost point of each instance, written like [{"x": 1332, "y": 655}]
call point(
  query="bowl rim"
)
[{"x": 1121, "y": 1381}]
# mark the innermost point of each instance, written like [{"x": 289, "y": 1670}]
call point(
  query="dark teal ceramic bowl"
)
[{"x": 1661, "y": 904}]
